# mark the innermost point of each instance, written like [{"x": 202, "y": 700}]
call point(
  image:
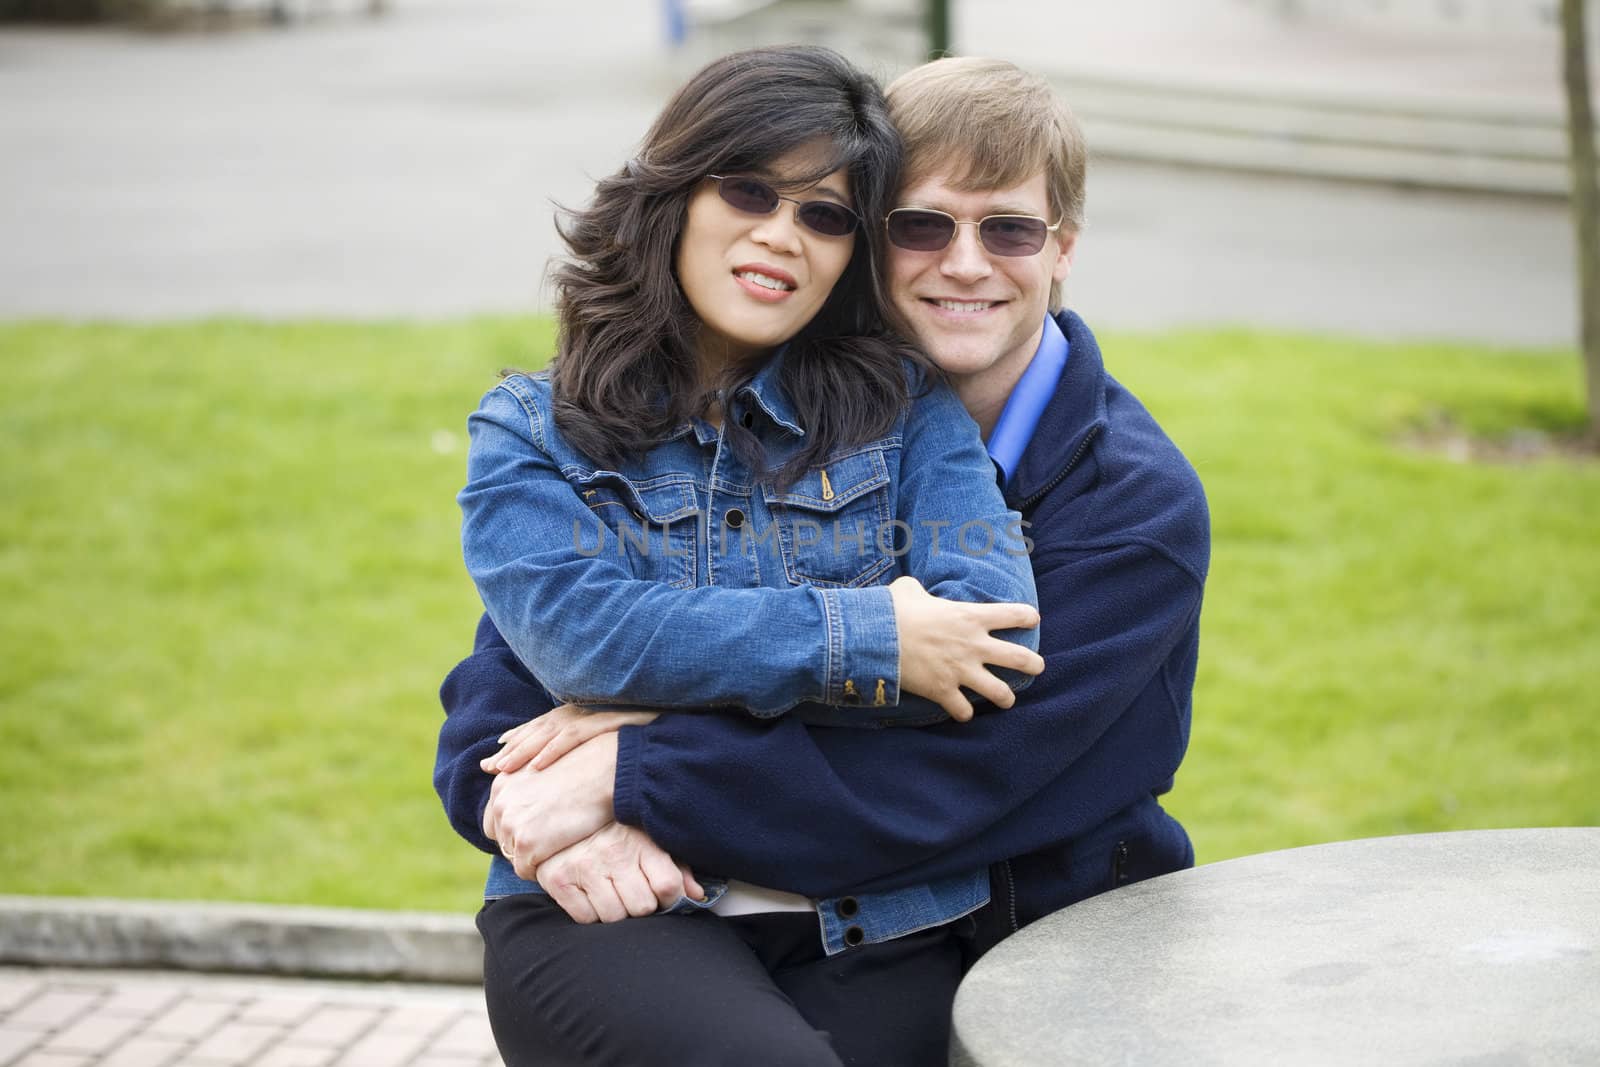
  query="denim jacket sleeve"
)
[
  {"x": 962, "y": 542},
  {"x": 593, "y": 633}
]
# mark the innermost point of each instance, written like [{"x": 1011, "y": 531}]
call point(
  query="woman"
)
[{"x": 700, "y": 505}]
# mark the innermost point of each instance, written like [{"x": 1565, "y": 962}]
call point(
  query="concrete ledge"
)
[
  {"x": 240, "y": 938},
  {"x": 1411, "y": 140},
  {"x": 1113, "y": 138}
]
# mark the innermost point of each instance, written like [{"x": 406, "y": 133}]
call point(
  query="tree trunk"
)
[{"x": 1585, "y": 197}]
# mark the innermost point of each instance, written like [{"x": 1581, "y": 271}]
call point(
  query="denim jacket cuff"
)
[
  {"x": 627, "y": 806},
  {"x": 863, "y": 648}
]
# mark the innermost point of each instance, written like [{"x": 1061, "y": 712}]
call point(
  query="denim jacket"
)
[
  {"x": 684, "y": 579},
  {"x": 681, "y": 578}
]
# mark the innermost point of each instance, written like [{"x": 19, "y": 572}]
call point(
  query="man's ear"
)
[{"x": 1067, "y": 245}]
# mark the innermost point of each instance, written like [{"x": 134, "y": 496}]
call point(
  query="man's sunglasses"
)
[
  {"x": 759, "y": 198},
  {"x": 921, "y": 230}
]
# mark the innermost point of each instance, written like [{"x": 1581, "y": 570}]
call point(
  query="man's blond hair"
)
[{"x": 991, "y": 125}]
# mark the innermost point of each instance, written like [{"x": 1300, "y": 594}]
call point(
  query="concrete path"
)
[
  {"x": 61, "y": 1018},
  {"x": 406, "y": 167}
]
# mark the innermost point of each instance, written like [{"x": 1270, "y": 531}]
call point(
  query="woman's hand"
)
[
  {"x": 945, "y": 644},
  {"x": 540, "y": 742},
  {"x": 536, "y": 814},
  {"x": 613, "y": 873}
]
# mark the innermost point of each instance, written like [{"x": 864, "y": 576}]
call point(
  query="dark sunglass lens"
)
[
  {"x": 747, "y": 194},
  {"x": 1012, "y": 235},
  {"x": 920, "y": 231},
  {"x": 830, "y": 220}
]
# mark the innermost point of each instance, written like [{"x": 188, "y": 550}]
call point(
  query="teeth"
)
[
  {"x": 764, "y": 281},
  {"x": 965, "y": 305}
]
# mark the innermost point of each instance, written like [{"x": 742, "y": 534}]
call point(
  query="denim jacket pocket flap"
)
[
  {"x": 836, "y": 483},
  {"x": 656, "y": 500},
  {"x": 834, "y": 523}
]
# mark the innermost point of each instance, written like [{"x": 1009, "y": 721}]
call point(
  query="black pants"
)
[{"x": 705, "y": 990}]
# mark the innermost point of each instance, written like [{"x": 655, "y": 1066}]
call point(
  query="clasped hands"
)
[{"x": 550, "y": 810}]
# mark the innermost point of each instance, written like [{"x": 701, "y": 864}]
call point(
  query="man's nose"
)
[{"x": 964, "y": 257}]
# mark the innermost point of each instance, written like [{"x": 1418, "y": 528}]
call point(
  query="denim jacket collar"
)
[
  {"x": 766, "y": 389},
  {"x": 766, "y": 392}
]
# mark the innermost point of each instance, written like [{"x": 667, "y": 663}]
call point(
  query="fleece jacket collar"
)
[{"x": 1075, "y": 413}]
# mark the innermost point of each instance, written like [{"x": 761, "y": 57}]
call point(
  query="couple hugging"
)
[{"x": 765, "y": 798}]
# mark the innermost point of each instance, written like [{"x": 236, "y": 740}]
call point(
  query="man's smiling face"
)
[{"x": 974, "y": 312}]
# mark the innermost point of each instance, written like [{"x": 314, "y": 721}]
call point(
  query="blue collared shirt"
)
[{"x": 1027, "y": 402}]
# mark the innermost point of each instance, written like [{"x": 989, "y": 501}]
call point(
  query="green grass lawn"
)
[{"x": 230, "y": 584}]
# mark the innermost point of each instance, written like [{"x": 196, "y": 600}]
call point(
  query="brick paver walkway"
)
[{"x": 67, "y": 1018}]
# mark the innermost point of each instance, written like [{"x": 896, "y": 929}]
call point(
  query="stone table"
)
[{"x": 1480, "y": 946}]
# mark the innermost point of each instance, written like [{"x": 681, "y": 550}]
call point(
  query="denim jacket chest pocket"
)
[
  {"x": 650, "y": 524},
  {"x": 835, "y": 525}
]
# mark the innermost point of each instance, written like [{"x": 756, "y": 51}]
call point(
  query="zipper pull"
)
[
  {"x": 827, "y": 487},
  {"x": 878, "y": 698},
  {"x": 1119, "y": 862}
]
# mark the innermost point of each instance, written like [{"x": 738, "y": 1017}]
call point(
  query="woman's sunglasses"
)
[
  {"x": 922, "y": 230},
  {"x": 759, "y": 198}
]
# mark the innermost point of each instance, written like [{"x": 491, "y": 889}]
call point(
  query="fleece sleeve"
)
[
  {"x": 486, "y": 694},
  {"x": 823, "y": 811}
]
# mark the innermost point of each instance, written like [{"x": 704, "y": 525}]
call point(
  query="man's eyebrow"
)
[{"x": 1000, "y": 208}]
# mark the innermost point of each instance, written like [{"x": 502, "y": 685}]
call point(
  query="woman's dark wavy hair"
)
[{"x": 625, "y": 373}]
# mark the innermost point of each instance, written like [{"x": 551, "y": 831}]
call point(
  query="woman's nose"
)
[{"x": 779, "y": 231}]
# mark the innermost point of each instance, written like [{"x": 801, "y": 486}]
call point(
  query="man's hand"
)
[
  {"x": 534, "y": 814},
  {"x": 539, "y": 742},
  {"x": 614, "y": 873}
]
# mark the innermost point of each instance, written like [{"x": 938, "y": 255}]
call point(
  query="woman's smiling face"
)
[{"x": 755, "y": 281}]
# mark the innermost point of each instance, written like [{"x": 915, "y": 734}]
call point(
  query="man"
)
[{"x": 1058, "y": 795}]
